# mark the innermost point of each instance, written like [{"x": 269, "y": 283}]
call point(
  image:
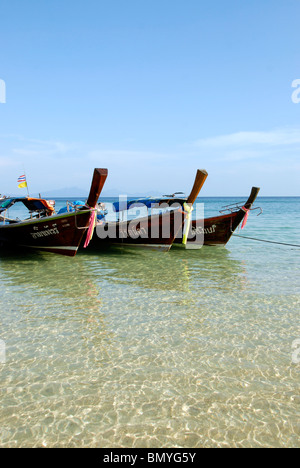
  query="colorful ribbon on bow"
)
[
  {"x": 245, "y": 217},
  {"x": 188, "y": 210},
  {"x": 92, "y": 224}
]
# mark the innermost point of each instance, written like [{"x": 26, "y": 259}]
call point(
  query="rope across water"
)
[{"x": 264, "y": 240}]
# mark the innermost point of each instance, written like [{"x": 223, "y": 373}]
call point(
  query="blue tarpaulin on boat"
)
[
  {"x": 5, "y": 203},
  {"x": 70, "y": 209},
  {"x": 65, "y": 209},
  {"x": 142, "y": 202}
]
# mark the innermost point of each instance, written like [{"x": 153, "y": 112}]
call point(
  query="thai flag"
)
[
  {"x": 22, "y": 183},
  {"x": 21, "y": 179}
]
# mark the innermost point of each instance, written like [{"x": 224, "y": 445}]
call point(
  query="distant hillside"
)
[
  {"x": 64, "y": 193},
  {"x": 75, "y": 192}
]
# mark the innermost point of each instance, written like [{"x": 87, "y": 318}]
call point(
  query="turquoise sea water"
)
[{"x": 131, "y": 348}]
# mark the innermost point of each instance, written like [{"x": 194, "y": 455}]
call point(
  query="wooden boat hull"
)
[
  {"x": 156, "y": 232},
  {"x": 60, "y": 234},
  {"x": 212, "y": 231},
  {"x": 217, "y": 230}
]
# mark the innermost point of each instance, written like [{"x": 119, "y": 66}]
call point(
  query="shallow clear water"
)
[{"x": 133, "y": 348}]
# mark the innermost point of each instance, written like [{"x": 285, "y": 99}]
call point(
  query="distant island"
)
[{"x": 76, "y": 192}]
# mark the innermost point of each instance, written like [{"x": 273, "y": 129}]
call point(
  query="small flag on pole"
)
[{"x": 22, "y": 183}]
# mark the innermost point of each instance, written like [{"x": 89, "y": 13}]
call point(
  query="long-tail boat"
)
[
  {"x": 157, "y": 231},
  {"x": 218, "y": 230},
  {"x": 45, "y": 230}
]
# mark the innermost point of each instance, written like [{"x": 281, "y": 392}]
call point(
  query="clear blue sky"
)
[{"x": 153, "y": 90}]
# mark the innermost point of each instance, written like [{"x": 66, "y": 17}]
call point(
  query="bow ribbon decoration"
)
[
  {"x": 92, "y": 224},
  {"x": 246, "y": 210},
  {"x": 188, "y": 210}
]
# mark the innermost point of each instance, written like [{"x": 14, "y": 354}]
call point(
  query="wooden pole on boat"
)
[
  {"x": 198, "y": 184},
  {"x": 252, "y": 197},
  {"x": 26, "y": 182},
  {"x": 98, "y": 182},
  {"x": 247, "y": 207}
]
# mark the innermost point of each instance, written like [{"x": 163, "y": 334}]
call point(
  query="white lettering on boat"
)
[
  {"x": 133, "y": 232},
  {"x": 201, "y": 230},
  {"x": 48, "y": 232}
]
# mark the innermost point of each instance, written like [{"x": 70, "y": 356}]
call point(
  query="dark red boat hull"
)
[
  {"x": 219, "y": 229},
  {"x": 156, "y": 232},
  {"x": 59, "y": 234},
  {"x": 216, "y": 230},
  {"x": 212, "y": 231}
]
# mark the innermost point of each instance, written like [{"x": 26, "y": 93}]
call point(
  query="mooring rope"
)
[{"x": 269, "y": 242}]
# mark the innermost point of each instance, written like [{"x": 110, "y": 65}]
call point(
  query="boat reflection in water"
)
[
  {"x": 174, "y": 271},
  {"x": 92, "y": 273}
]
